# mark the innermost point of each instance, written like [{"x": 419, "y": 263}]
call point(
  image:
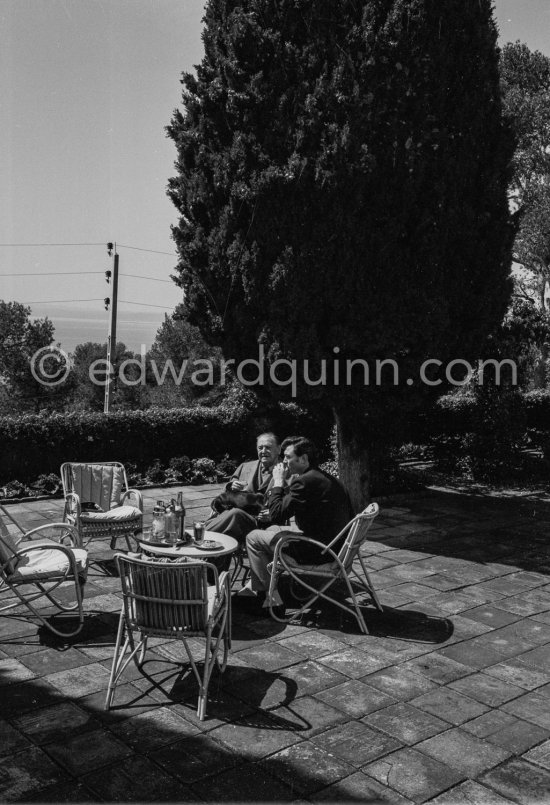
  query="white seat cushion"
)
[
  {"x": 46, "y": 563},
  {"x": 119, "y": 514}
]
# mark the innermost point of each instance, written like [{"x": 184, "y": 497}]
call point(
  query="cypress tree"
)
[{"x": 341, "y": 181}]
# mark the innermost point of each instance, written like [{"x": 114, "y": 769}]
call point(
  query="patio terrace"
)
[{"x": 446, "y": 701}]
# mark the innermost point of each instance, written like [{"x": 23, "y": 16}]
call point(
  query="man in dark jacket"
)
[{"x": 318, "y": 502}]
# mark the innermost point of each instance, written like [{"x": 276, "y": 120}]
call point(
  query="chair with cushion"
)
[
  {"x": 35, "y": 564},
  {"x": 172, "y": 600},
  {"x": 343, "y": 568},
  {"x": 99, "y": 503}
]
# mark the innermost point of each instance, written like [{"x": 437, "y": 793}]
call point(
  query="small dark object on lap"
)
[{"x": 250, "y": 502}]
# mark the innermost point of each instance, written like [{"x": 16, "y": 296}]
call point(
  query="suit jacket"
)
[
  {"x": 250, "y": 473},
  {"x": 320, "y": 505}
]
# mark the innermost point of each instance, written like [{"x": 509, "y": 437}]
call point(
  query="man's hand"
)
[
  {"x": 237, "y": 485},
  {"x": 263, "y": 516},
  {"x": 279, "y": 474}
]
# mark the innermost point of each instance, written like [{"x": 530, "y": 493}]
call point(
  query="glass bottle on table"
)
[
  {"x": 170, "y": 525},
  {"x": 180, "y": 517}
]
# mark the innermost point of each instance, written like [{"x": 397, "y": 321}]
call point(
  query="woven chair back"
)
[{"x": 164, "y": 598}]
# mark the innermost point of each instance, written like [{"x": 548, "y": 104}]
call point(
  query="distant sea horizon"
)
[{"x": 79, "y": 327}]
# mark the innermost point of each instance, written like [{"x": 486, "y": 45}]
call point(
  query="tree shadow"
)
[
  {"x": 472, "y": 528},
  {"x": 409, "y": 625}
]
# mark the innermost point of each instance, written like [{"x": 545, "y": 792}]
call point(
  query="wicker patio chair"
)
[
  {"x": 174, "y": 601},
  {"x": 99, "y": 503},
  {"x": 342, "y": 569},
  {"x": 31, "y": 570}
]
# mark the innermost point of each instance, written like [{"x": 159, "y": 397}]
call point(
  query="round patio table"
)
[{"x": 228, "y": 546}]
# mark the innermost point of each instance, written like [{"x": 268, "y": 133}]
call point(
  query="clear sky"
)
[{"x": 86, "y": 89}]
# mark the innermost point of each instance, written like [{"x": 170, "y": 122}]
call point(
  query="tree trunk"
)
[{"x": 354, "y": 467}]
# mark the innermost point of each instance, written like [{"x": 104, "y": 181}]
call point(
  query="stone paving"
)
[{"x": 446, "y": 701}]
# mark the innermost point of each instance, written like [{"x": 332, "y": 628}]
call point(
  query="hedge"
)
[
  {"x": 456, "y": 414},
  {"x": 537, "y": 409},
  {"x": 38, "y": 444}
]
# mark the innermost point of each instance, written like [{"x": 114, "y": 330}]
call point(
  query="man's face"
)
[
  {"x": 268, "y": 451},
  {"x": 295, "y": 465}
]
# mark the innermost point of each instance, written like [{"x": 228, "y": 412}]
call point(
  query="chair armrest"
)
[
  {"x": 67, "y": 531},
  {"x": 281, "y": 544},
  {"x": 289, "y": 538},
  {"x": 223, "y": 592},
  {"x": 223, "y": 585},
  {"x": 133, "y": 493},
  {"x": 73, "y": 509}
]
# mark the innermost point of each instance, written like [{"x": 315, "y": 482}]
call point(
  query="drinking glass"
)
[{"x": 198, "y": 532}]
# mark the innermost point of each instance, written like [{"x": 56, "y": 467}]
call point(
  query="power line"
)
[
  {"x": 49, "y": 273},
  {"x": 67, "y": 273},
  {"x": 137, "y": 249},
  {"x": 119, "y": 245},
  {"x": 124, "y": 301},
  {"x": 53, "y": 244},
  {"x": 143, "y": 304},
  {"x": 141, "y": 277},
  {"x": 58, "y": 301}
]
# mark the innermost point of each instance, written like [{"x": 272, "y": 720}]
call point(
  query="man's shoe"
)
[{"x": 246, "y": 591}]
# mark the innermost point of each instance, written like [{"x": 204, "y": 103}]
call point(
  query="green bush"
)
[
  {"x": 155, "y": 473},
  {"x": 15, "y": 489},
  {"x": 47, "y": 484},
  {"x": 203, "y": 471},
  {"x": 479, "y": 433},
  {"x": 38, "y": 444},
  {"x": 178, "y": 470},
  {"x": 494, "y": 443},
  {"x": 537, "y": 410},
  {"x": 226, "y": 467}
]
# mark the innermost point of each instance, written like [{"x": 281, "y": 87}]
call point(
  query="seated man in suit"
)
[
  {"x": 251, "y": 476},
  {"x": 318, "y": 502}
]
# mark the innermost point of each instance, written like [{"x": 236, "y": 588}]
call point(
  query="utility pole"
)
[{"x": 111, "y": 339}]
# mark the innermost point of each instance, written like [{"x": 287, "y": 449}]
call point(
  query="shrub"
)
[
  {"x": 155, "y": 473},
  {"x": 537, "y": 409},
  {"x": 493, "y": 446},
  {"x": 413, "y": 452},
  {"x": 135, "y": 478},
  {"x": 15, "y": 489},
  {"x": 48, "y": 484},
  {"x": 203, "y": 471},
  {"x": 43, "y": 442},
  {"x": 226, "y": 467},
  {"x": 480, "y": 432},
  {"x": 178, "y": 470}
]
